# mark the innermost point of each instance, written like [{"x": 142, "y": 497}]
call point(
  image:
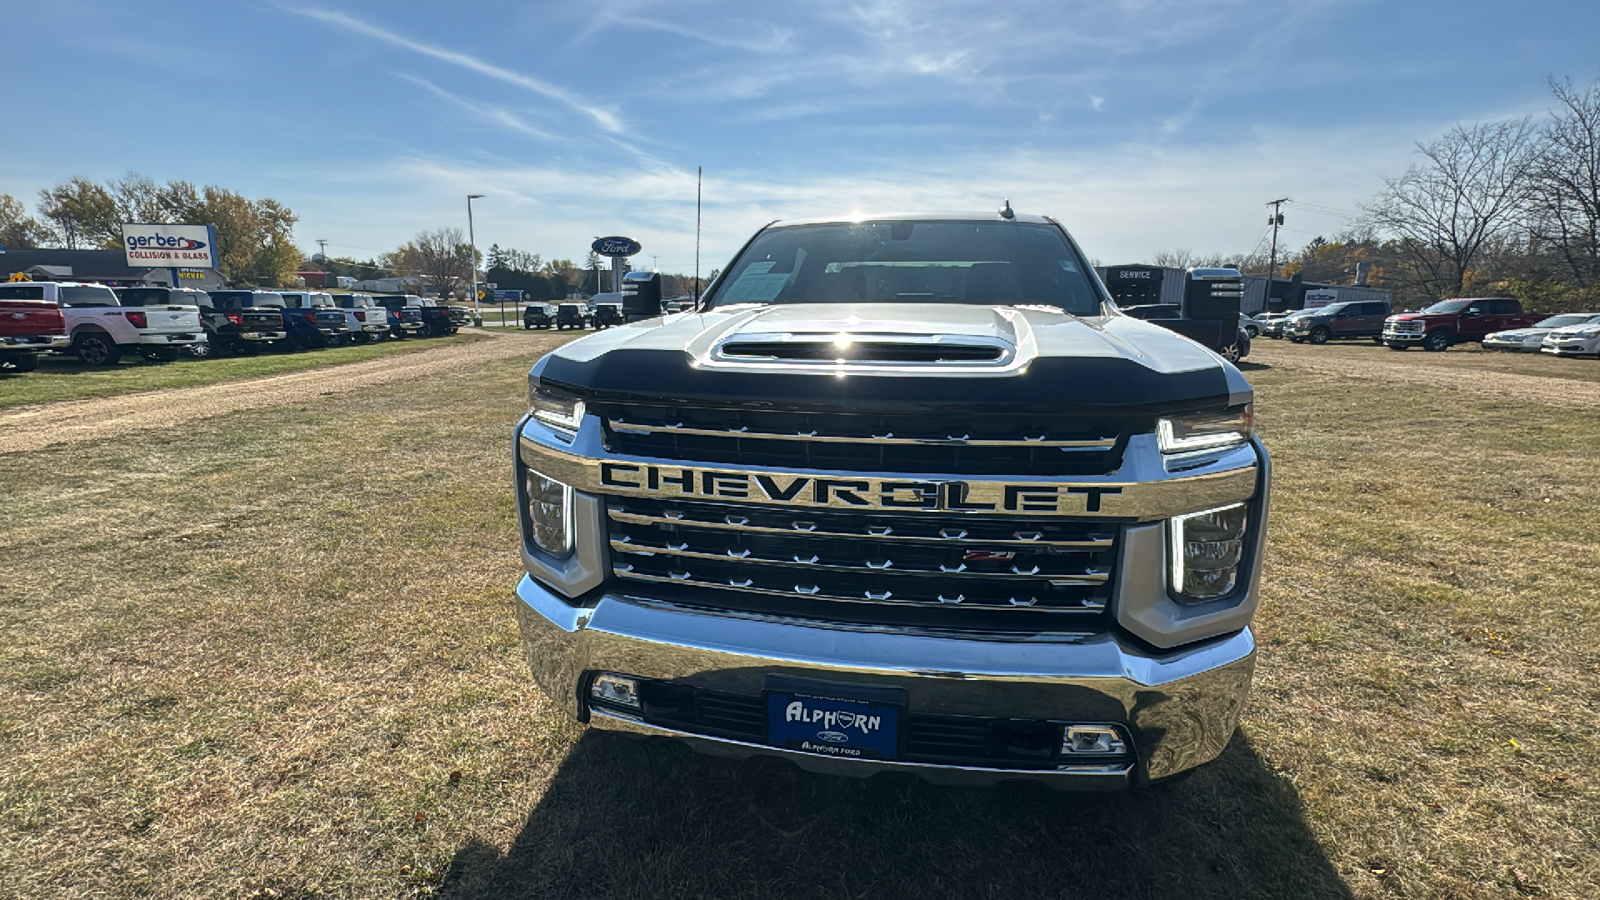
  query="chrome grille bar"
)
[
  {"x": 1032, "y": 574},
  {"x": 814, "y": 592},
  {"x": 626, "y": 427},
  {"x": 807, "y": 528}
]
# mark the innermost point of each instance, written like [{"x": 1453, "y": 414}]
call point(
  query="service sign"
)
[
  {"x": 616, "y": 246},
  {"x": 170, "y": 246}
]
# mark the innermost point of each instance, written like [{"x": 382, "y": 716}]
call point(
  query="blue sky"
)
[{"x": 1144, "y": 125}]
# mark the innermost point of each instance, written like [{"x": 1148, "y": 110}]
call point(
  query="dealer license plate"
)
[{"x": 833, "y": 726}]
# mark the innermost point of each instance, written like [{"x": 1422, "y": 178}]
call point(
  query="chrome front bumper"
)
[
  {"x": 39, "y": 342},
  {"x": 1179, "y": 707}
]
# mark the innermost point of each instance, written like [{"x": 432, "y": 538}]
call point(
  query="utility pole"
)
[
  {"x": 322, "y": 248},
  {"x": 472, "y": 240},
  {"x": 1275, "y": 219}
]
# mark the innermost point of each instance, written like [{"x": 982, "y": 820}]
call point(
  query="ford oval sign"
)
[{"x": 616, "y": 246}]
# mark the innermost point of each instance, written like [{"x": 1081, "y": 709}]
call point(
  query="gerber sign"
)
[{"x": 170, "y": 246}]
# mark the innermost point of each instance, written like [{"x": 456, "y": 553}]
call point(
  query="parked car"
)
[
  {"x": 1531, "y": 339},
  {"x": 538, "y": 315},
  {"x": 435, "y": 320},
  {"x": 1455, "y": 321},
  {"x": 333, "y": 326},
  {"x": 102, "y": 330},
  {"x": 608, "y": 314},
  {"x": 29, "y": 325},
  {"x": 157, "y": 297},
  {"x": 373, "y": 319},
  {"x": 571, "y": 315},
  {"x": 1279, "y": 328},
  {"x": 1350, "y": 319},
  {"x": 1573, "y": 340},
  {"x": 405, "y": 314},
  {"x": 1250, "y": 324},
  {"x": 460, "y": 316},
  {"x": 243, "y": 322}
]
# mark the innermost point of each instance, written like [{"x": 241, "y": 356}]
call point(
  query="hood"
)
[{"x": 897, "y": 358}]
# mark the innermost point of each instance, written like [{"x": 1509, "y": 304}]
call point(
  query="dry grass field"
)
[{"x": 271, "y": 654}]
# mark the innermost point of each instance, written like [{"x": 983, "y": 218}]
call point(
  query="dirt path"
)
[
  {"x": 1411, "y": 369},
  {"x": 32, "y": 428}
]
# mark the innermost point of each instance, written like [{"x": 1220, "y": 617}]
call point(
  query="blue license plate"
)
[{"x": 833, "y": 726}]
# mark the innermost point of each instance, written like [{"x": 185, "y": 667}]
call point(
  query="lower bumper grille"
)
[
  {"x": 950, "y": 740},
  {"x": 1056, "y": 566}
]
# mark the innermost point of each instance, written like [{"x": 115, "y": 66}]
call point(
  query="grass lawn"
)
[
  {"x": 273, "y": 656},
  {"x": 65, "y": 378}
]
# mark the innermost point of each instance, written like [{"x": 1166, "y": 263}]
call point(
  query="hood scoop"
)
[{"x": 871, "y": 349}]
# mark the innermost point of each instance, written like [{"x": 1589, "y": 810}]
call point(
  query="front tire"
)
[
  {"x": 96, "y": 348},
  {"x": 1320, "y": 335},
  {"x": 1436, "y": 342}
]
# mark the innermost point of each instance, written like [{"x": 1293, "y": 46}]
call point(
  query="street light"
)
[{"x": 477, "y": 314}]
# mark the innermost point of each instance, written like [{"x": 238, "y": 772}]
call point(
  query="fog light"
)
[
  {"x": 609, "y": 688},
  {"x": 1092, "y": 740},
  {"x": 549, "y": 513}
]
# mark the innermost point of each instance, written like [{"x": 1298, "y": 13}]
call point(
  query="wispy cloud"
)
[
  {"x": 601, "y": 116},
  {"x": 494, "y": 115}
]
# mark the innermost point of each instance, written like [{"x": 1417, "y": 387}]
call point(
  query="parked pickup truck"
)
[
  {"x": 373, "y": 319},
  {"x": 1349, "y": 319},
  {"x": 243, "y": 322},
  {"x": 406, "y": 318},
  {"x": 29, "y": 325},
  {"x": 1456, "y": 321},
  {"x": 167, "y": 298},
  {"x": 538, "y": 315},
  {"x": 102, "y": 330},
  {"x": 906, "y": 494},
  {"x": 329, "y": 326},
  {"x": 435, "y": 319}
]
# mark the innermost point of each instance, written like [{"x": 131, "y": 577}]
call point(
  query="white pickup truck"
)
[{"x": 102, "y": 329}]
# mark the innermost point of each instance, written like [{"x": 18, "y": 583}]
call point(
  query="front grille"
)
[
  {"x": 929, "y": 442},
  {"x": 973, "y": 740},
  {"x": 1407, "y": 327},
  {"x": 837, "y": 556}
]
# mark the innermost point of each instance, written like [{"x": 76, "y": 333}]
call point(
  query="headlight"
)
[
  {"x": 1206, "y": 431},
  {"x": 549, "y": 513},
  {"x": 1587, "y": 332},
  {"x": 559, "y": 411},
  {"x": 1205, "y": 549}
]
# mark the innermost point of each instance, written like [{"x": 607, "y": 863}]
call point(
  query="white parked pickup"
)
[{"x": 102, "y": 329}]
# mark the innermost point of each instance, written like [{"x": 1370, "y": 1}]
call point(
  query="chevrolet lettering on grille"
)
[{"x": 889, "y": 494}]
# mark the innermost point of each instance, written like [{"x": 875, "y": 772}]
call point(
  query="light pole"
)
[{"x": 477, "y": 314}]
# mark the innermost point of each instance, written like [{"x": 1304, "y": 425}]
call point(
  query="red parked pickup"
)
[
  {"x": 28, "y": 327},
  {"x": 1456, "y": 321}
]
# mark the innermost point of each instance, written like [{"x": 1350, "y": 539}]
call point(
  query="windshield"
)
[
  {"x": 88, "y": 296},
  {"x": 1564, "y": 320},
  {"x": 1448, "y": 306},
  {"x": 980, "y": 263}
]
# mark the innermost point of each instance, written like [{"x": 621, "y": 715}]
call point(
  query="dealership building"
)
[{"x": 102, "y": 267}]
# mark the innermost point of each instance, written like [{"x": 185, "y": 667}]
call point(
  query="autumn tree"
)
[
  {"x": 82, "y": 215},
  {"x": 1471, "y": 193},
  {"x": 19, "y": 230},
  {"x": 1566, "y": 183},
  {"x": 444, "y": 259}
]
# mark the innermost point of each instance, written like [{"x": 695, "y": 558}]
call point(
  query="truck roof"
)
[{"x": 927, "y": 216}]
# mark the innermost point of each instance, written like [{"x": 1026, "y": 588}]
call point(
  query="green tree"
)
[
  {"x": 19, "y": 230},
  {"x": 82, "y": 214}
]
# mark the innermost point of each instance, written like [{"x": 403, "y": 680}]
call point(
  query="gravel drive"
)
[{"x": 35, "y": 427}]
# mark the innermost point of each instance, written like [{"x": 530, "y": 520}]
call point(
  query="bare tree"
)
[
  {"x": 1566, "y": 208},
  {"x": 1471, "y": 193},
  {"x": 444, "y": 259}
]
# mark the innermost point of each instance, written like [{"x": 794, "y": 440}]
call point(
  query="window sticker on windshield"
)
[
  {"x": 1068, "y": 265},
  {"x": 759, "y": 284}
]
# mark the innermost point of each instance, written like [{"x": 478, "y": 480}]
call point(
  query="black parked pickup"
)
[
  {"x": 435, "y": 318},
  {"x": 405, "y": 314},
  {"x": 242, "y": 322}
]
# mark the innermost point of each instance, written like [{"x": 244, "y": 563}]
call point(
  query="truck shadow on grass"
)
[{"x": 628, "y": 818}]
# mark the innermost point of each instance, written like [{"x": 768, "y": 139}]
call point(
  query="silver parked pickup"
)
[{"x": 905, "y": 494}]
